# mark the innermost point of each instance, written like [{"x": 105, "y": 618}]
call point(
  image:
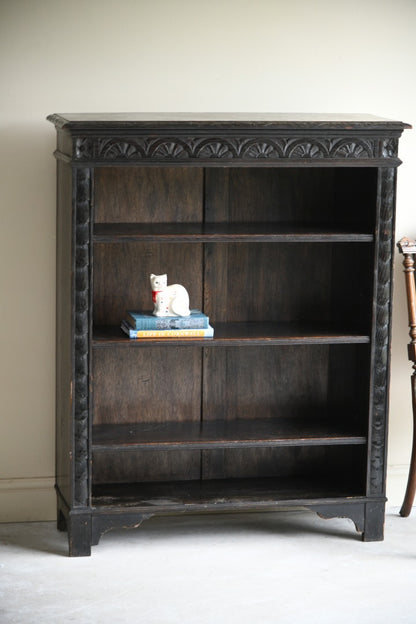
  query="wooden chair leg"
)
[
  {"x": 407, "y": 247},
  {"x": 411, "y": 483}
]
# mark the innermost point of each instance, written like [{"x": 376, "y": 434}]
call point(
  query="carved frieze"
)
[{"x": 242, "y": 148}]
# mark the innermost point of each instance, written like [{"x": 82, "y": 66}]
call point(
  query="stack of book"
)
[{"x": 139, "y": 324}]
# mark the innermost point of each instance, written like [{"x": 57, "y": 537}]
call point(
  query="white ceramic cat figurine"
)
[{"x": 172, "y": 300}]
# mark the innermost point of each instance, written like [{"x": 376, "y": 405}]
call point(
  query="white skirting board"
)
[{"x": 27, "y": 500}]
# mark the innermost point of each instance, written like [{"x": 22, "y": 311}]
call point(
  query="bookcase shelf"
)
[
  {"x": 280, "y": 229},
  {"x": 228, "y": 232},
  {"x": 241, "y": 333},
  {"x": 223, "y": 495},
  {"x": 246, "y": 433}
]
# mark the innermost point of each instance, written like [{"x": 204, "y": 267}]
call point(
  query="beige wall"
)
[{"x": 168, "y": 55}]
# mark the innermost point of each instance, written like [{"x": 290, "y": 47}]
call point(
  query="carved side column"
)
[
  {"x": 81, "y": 336},
  {"x": 381, "y": 333},
  {"x": 377, "y": 445},
  {"x": 79, "y": 517}
]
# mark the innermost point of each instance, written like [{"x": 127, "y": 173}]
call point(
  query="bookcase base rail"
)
[{"x": 85, "y": 527}]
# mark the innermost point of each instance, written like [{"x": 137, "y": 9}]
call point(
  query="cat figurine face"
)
[
  {"x": 158, "y": 282},
  {"x": 172, "y": 300}
]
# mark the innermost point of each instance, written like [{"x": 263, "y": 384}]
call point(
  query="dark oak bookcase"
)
[{"x": 281, "y": 228}]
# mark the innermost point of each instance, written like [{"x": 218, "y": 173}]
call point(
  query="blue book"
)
[{"x": 146, "y": 320}]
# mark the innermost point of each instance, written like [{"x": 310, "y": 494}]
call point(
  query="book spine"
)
[
  {"x": 169, "y": 333},
  {"x": 163, "y": 323}
]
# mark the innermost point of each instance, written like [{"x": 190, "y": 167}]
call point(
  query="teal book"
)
[
  {"x": 146, "y": 320},
  {"x": 207, "y": 332}
]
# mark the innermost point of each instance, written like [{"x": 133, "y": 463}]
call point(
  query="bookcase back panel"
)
[
  {"x": 136, "y": 466},
  {"x": 146, "y": 385},
  {"x": 272, "y": 282},
  {"x": 309, "y": 381},
  {"x": 315, "y": 195},
  {"x": 288, "y": 282},
  {"x": 121, "y": 276},
  {"x": 349, "y": 369},
  {"x": 352, "y": 284},
  {"x": 180, "y": 194},
  {"x": 337, "y": 464},
  {"x": 148, "y": 194},
  {"x": 241, "y": 281},
  {"x": 340, "y": 464}
]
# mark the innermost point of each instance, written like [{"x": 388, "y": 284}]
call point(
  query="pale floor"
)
[{"x": 286, "y": 567}]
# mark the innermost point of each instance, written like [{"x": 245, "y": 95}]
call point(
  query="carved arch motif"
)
[
  {"x": 262, "y": 148},
  {"x": 352, "y": 148},
  {"x": 173, "y": 149},
  {"x": 214, "y": 148},
  {"x": 306, "y": 149}
]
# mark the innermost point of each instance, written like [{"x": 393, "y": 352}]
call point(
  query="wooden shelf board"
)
[
  {"x": 242, "y": 433},
  {"x": 229, "y": 232},
  {"x": 219, "y": 494},
  {"x": 242, "y": 334}
]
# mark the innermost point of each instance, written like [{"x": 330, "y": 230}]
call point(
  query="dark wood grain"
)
[
  {"x": 314, "y": 197},
  {"x": 146, "y": 385},
  {"x": 148, "y": 195},
  {"x": 260, "y": 382},
  {"x": 180, "y": 465},
  {"x": 260, "y": 284},
  {"x": 321, "y": 461},
  {"x": 293, "y": 431}
]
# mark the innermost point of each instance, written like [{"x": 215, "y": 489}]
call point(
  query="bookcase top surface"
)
[{"x": 279, "y": 121}]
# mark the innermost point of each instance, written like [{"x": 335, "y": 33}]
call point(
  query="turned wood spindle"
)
[{"x": 408, "y": 248}]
